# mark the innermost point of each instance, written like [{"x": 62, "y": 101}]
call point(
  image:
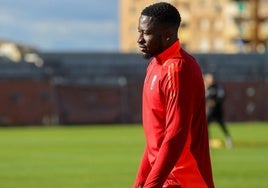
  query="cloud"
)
[
  {"x": 61, "y": 25},
  {"x": 76, "y": 34}
]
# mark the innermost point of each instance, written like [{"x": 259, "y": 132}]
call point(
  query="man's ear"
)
[{"x": 169, "y": 34}]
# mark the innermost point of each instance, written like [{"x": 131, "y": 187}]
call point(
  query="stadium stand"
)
[{"x": 85, "y": 88}]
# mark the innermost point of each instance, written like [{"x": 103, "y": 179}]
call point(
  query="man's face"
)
[{"x": 150, "y": 38}]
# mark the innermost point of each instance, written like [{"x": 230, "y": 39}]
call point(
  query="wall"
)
[
  {"x": 86, "y": 88},
  {"x": 25, "y": 102}
]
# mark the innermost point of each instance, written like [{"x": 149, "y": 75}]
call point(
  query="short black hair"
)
[{"x": 163, "y": 13}]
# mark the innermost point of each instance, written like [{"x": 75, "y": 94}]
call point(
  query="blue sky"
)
[{"x": 61, "y": 25}]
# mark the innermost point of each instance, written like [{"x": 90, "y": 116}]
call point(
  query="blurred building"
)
[
  {"x": 208, "y": 26},
  {"x": 11, "y": 51}
]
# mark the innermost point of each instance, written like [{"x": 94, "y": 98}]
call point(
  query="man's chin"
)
[{"x": 146, "y": 55}]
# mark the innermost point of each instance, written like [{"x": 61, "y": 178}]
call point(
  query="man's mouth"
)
[{"x": 143, "y": 48}]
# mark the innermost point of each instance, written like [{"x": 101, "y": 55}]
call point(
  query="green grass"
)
[
  {"x": 245, "y": 165},
  {"x": 108, "y": 156}
]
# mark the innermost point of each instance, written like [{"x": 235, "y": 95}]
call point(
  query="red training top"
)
[{"x": 175, "y": 126}]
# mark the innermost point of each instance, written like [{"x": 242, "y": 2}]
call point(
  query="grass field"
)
[{"x": 108, "y": 156}]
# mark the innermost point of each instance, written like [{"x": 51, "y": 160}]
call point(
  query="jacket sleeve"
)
[
  {"x": 175, "y": 88},
  {"x": 143, "y": 171}
]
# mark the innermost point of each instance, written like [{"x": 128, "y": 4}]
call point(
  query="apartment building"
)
[{"x": 208, "y": 26}]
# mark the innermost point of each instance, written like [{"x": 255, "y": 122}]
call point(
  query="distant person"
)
[
  {"x": 176, "y": 153},
  {"x": 215, "y": 96}
]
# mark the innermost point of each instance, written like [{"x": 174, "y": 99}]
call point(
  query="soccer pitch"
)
[{"x": 108, "y": 156}]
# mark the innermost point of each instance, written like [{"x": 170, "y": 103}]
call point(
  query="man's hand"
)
[{"x": 211, "y": 103}]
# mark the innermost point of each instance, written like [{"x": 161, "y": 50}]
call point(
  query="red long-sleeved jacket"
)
[{"x": 175, "y": 126}]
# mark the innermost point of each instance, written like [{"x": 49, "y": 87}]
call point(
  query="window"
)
[{"x": 204, "y": 25}]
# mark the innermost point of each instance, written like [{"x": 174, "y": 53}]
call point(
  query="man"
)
[
  {"x": 174, "y": 119},
  {"x": 215, "y": 96}
]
